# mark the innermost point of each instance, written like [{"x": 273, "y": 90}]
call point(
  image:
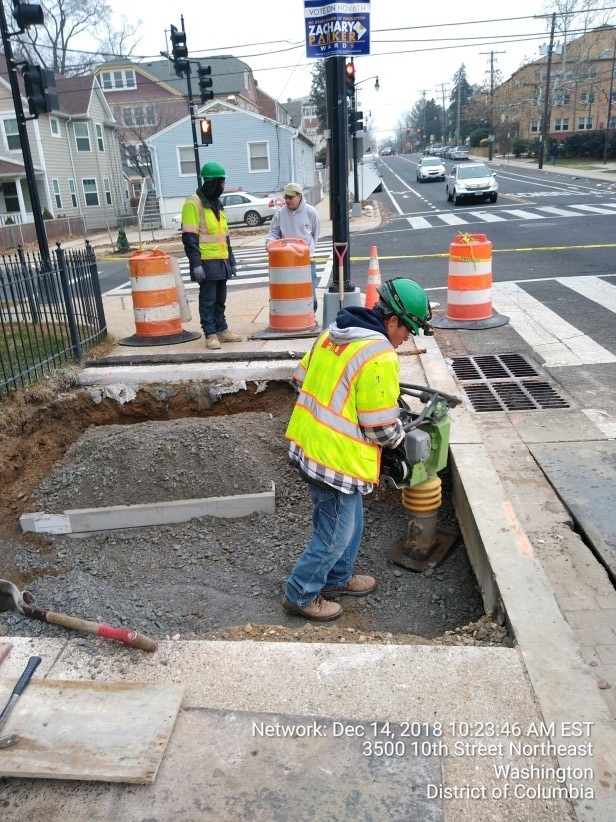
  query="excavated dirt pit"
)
[{"x": 208, "y": 578}]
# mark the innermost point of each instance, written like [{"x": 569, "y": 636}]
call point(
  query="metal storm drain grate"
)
[{"x": 505, "y": 382}]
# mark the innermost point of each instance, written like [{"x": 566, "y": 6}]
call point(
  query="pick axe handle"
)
[{"x": 125, "y": 635}]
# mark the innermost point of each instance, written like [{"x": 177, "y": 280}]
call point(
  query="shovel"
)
[{"x": 11, "y": 599}]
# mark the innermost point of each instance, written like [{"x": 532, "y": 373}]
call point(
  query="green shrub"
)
[
  {"x": 476, "y": 136},
  {"x": 122, "y": 243},
  {"x": 9, "y": 221},
  {"x": 47, "y": 215}
]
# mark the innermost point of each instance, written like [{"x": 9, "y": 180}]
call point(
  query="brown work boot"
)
[
  {"x": 319, "y": 611},
  {"x": 358, "y": 586},
  {"x": 228, "y": 336},
  {"x": 211, "y": 341}
]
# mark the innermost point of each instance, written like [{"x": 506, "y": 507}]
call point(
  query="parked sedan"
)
[
  {"x": 430, "y": 168},
  {"x": 474, "y": 181},
  {"x": 243, "y": 207}
]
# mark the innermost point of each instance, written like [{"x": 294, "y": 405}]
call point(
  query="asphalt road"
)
[{"x": 553, "y": 243}]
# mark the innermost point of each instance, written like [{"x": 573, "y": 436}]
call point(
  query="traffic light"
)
[
  {"x": 349, "y": 76},
  {"x": 26, "y": 15},
  {"x": 205, "y": 127},
  {"x": 179, "y": 51},
  {"x": 205, "y": 82},
  {"x": 356, "y": 122},
  {"x": 36, "y": 81}
]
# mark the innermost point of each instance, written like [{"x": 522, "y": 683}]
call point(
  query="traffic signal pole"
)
[
  {"x": 37, "y": 214},
  {"x": 339, "y": 195},
  {"x": 181, "y": 64}
]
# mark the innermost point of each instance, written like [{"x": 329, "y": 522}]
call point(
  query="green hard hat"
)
[
  {"x": 409, "y": 302},
  {"x": 213, "y": 171}
]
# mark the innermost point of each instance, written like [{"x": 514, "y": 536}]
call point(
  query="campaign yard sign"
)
[{"x": 336, "y": 29}]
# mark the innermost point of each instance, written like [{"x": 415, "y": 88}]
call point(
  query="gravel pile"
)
[{"x": 197, "y": 579}]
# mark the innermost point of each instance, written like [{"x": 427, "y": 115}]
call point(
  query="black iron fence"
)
[{"x": 50, "y": 313}]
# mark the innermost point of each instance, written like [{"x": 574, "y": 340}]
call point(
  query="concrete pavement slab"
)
[
  {"x": 583, "y": 475},
  {"x": 465, "y": 720}
]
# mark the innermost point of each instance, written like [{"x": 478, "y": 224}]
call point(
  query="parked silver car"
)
[
  {"x": 474, "y": 181},
  {"x": 458, "y": 153},
  {"x": 430, "y": 168},
  {"x": 243, "y": 207}
]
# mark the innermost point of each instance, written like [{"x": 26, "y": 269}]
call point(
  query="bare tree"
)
[{"x": 58, "y": 43}]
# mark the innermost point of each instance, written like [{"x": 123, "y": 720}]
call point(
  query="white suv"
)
[
  {"x": 474, "y": 181},
  {"x": 430, "y": 168}
]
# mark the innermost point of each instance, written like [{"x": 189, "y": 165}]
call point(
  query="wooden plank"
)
[{"x": 96, "y": 731}]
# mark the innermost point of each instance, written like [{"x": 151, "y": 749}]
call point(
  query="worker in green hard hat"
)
[
  {"x": 346, "y": 412},
  {"x": 210, "y": 256}
]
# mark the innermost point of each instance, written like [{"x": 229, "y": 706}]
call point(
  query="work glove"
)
[{"x": 198, "y": 274}]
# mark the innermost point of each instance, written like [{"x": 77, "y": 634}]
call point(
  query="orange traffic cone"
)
[{"x": 374, "y": 279}]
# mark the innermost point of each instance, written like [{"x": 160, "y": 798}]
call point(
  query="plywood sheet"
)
[{"x": 109, "y": 731}]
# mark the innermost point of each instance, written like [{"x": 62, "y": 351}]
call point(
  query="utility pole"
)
[
  {"x": 443, "y": 90},
  {"x": 423, "y": 92},
  {"x": 545, "y": 121},
  {"x": 491, "y": 127},
  {"x": 609, "y": 105},
  {"x": 37, "y": 214}
]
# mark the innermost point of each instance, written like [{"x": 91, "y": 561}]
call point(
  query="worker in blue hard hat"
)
[{"x": 210, "y": 256}]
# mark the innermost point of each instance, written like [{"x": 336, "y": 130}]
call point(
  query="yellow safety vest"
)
[
  {"x": 345, "y": 386},
  {"x": 212, "y": 232}
]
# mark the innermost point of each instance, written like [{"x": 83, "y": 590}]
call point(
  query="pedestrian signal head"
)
[{"x": 409, "y": 302}]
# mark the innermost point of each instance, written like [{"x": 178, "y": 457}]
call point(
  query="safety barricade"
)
[
  {"x": 156, "y": 303},
  {"x": 291, "y": 311},
  {"x": 469, "y": 285}
]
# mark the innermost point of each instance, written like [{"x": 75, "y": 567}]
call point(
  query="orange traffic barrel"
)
[
  {"x": 290, "y": 286},
  {"x": 155, "y": 301},
  {"x": 469, "y": 285}
]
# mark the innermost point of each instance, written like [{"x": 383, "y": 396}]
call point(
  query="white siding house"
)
[{"x": 259, "y": 155}]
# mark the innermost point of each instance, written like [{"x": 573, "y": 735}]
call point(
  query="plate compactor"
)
[{"x": 413, "y": 468}]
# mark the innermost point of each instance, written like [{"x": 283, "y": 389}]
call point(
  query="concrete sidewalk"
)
[{"x": 483, "y": 729}]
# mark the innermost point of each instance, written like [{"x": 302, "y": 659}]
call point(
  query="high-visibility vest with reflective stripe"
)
[
  {"x": 212, "y": 232},
  {"x": 345, "y": 386}
]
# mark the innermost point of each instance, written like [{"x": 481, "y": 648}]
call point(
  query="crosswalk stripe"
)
[
  {"x": 592, "y": 209},
  {"x": 418, "y": 222},
  {"x": 487, "y": 216},
  {"x": 593, "y": 288},
  {"x": 554, "y": 339},
  {"x": 451, "y": 219},
  {"x": 559, "y": 212},
  {"x": 523, "y": 215}
]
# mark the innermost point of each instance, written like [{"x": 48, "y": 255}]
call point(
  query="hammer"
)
[
  {"x": 12, "y": 599},
  {"x": 20, "y": 687}
]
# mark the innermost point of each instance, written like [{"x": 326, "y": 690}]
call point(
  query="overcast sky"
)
[{"x": 412, "y": 47}]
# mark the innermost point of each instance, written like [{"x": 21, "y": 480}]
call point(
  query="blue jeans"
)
[
  {"x": 212, "y": 299},
  {"x": 329, "y": 557}
]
